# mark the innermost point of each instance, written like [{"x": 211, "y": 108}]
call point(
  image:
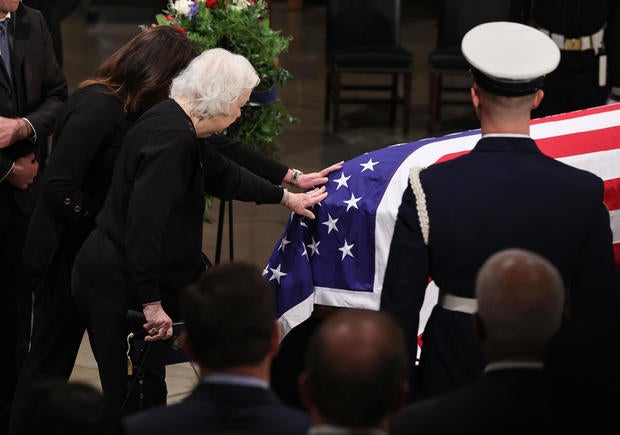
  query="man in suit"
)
[
  {"x": 54, "y": 12},
  {"x": 32, "y": 90},
  {"x": 355, "y": 375},
  {"x": 520, "y": 302},
  {"x": 232, "y": 333},
  {"x": 504, "y": 193}
]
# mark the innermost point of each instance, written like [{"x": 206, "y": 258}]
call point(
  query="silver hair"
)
[{"x": 212, "y": 81}]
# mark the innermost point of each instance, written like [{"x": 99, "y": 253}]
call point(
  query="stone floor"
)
[{"x": 91, "y": 35}]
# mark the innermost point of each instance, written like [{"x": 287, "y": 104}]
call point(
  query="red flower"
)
[
  {"x": 180, "y": 29},
  {"x": 169, "y": 17},
  {"x": 252, "y": 1},
  {"x": 211, "y": 3}
]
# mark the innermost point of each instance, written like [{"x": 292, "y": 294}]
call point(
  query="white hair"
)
[{"x": 213, "y": 81}]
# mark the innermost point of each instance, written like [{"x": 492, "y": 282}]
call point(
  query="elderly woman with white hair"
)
[{"x": 146, "y": 247}]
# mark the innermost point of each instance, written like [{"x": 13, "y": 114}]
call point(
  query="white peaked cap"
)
[{"x": 509, "y": 58}]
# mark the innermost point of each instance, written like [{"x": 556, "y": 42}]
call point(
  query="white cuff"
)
[
  {"x": 8, "y": 172},
  {"x": 284, "y": 196},
  {"x": 32, "y": 138}
]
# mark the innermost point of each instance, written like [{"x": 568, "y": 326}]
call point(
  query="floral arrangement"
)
[{"x": 241, "y": 26}]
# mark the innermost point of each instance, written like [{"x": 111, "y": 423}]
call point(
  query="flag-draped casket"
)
[{"x": 339, "y": 258}]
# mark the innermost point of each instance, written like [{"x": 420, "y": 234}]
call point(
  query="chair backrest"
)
[
  {"x": 457, "y": 17},
  {"x": 359, "y": 23}
]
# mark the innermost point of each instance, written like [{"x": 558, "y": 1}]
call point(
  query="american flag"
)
[{"x": 339, "y": 258}]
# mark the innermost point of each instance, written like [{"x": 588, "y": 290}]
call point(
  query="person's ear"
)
[
  {"x": 479, "y": 328},
  {"x": 538, "y": 98},
  {"x": 401, "y": 398},
  {"x": 475, "y": 96},
  {"x": 305, "y": 391},
  {"x": 274, "y": 346}
]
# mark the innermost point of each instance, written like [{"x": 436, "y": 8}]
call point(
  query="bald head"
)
[
  {"x": 520, "y": 302},
  {"x": 358, "y": 340},
  {"x": 356, "y": 367}
]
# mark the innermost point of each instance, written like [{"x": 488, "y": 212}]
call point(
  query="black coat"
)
[
  {"x": 37, "y": 92},
  {"x": 222, "y": 409},
  {"x": 54, "y": 12},
  {"x": 506, "y": 401}
]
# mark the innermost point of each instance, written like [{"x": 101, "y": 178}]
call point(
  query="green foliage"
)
[{"x": 242, "y": 27}]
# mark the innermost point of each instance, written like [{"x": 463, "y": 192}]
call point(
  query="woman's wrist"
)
[
  {"x": 292, "y": 176},
  {"x": 287, "y": 177}
]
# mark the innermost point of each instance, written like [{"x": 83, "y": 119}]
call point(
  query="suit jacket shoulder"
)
[
  {"x": 509, "y": 401},
  {"x": 221, "y": 409}
]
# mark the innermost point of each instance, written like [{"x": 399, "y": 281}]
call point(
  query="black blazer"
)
[
  {"x": 87, "y": 138},
  {"x": 505, "y": 193},
  {"x": 506, "y": 401},
  {"x": 54, "y": 12},
  {"x": 221, "y": 409},
  {"x": 37, "y": 92}
]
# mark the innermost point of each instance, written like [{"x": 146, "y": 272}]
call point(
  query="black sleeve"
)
[
  {"x": 53, "y": 85},
  {"x": 79, "y": 142},
  {"x": 404, "y": 286},
  {"x": 612, "y": 44},
  {"x": 225, "y": 179},
  {"x": 250, "y": 158}
]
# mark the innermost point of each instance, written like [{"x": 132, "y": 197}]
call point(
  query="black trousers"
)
[
  {"x": 573, "y": 85},
  {"x": 108, "y": 327},
  {"x": 16, "y": 305},
  {"x": 451, "y": 356},
  {"x": 57, "y": 331}
]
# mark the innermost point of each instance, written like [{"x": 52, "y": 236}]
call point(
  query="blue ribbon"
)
[{"x": 262, "y": 98}]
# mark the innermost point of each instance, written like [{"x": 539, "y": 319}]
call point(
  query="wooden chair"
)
[
  {"x": 363, "y": 38},
  {"x": 457, "y": 17}
]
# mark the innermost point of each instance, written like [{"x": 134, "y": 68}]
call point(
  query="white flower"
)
[
  {"x": 181, "y": 7},
  {"x": 238, "y": 4}
]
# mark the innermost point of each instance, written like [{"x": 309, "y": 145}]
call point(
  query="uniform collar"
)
[
  {"x": 234, "y": 379},
  {"x": 507, "y": 143}
]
